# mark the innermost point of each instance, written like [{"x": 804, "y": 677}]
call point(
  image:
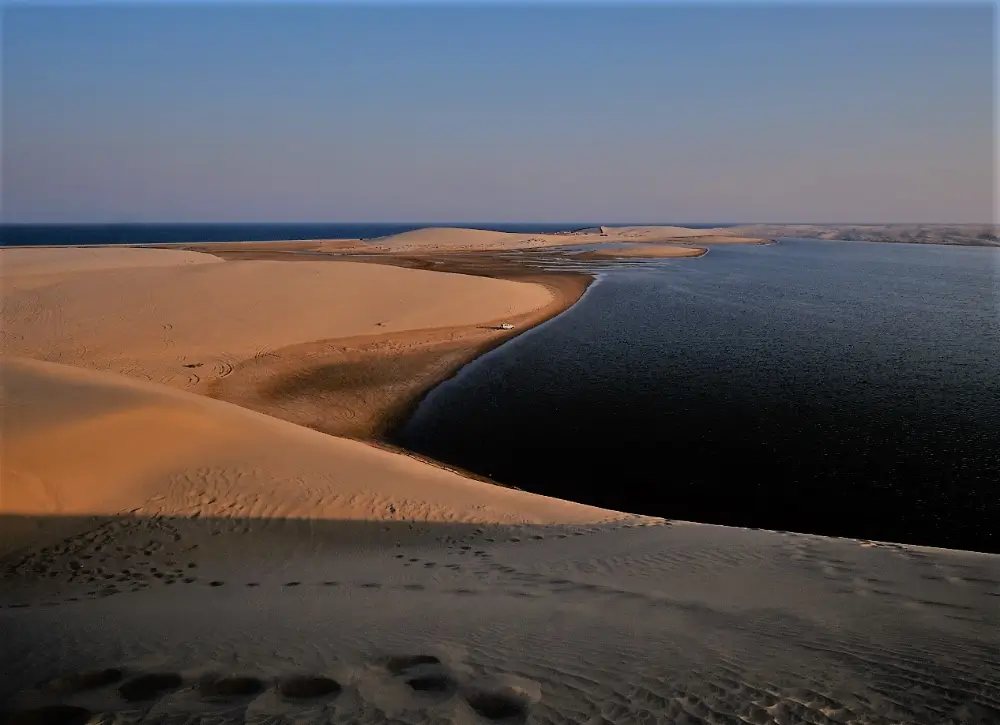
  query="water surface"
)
[{"x": 844, "y": 388}]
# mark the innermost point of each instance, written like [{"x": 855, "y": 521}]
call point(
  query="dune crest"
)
[
  {"x": 186, "y": 319},
  {"x": 25, "y": 261},
  {"x": 449, "y": 239}
]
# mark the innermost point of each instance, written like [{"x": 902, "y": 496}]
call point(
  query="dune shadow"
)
[
  {"x": 349, "y": 375},
  {"x": 59, "y": 564}
]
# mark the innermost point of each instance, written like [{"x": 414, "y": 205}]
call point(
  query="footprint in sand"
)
[
  {"x": 498, "y": 706},
  {"x": 308, "y": 687},
  {"x": 424, "y": 675},
  {"x": 432, "y": 684}
]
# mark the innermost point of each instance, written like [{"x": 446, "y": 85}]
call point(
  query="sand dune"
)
[
  {"x": 169, "y": 558},
  {"x": 448, "y": 237},
  {"x": 445, "y": 239},
  {"x": 21, "y": 262},
  {"x": 127, "y": 445},
  {"x": 186, "y": 319},
  {"x": 207, "y": 600}
]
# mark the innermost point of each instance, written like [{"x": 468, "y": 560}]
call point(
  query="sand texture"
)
[
  {"x": 190, "y": 320},
  {"x": 172, "y": 559},
  {"x": 129, "y": 446},
  {"x": 265, "y": 572},
  {"x": 42, "y": 261}
]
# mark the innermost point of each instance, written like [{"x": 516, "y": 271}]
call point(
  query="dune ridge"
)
[
  {"x": 128, "y": 445},
  {"x": 448, "y": 239}
]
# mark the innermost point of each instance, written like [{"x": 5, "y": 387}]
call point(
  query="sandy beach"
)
[{"x": 189, "y": 536}]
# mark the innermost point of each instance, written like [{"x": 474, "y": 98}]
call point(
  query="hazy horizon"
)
[{"x": 266, "y": 114}]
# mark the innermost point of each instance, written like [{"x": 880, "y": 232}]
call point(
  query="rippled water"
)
[{"x": 842, "y": 388}]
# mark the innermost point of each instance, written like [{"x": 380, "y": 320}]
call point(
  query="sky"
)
[{"x": 653, "y": 112}]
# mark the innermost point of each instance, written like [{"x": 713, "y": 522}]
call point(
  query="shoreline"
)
[
  {"x": 566, "y": 295},
  {"x": 365, "y": 387}
]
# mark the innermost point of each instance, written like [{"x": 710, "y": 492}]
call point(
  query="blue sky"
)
[{"x": 474, "y": 112}]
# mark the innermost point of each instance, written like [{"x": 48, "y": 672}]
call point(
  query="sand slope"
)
[
  {"x": 124, "y": 445},
  {"x": 208, "y": 585},
  {"x": 25, "y": 261},
  {"x": 185, "y": 319}
]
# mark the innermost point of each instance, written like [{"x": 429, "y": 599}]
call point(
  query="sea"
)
[{"x": 839, "y": 388}]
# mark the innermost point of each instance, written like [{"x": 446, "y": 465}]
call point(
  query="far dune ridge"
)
[
  {"x": 448, "y": 239},
  {"x": 80, "y": 442},
  {"x": 31, "y": 261}
]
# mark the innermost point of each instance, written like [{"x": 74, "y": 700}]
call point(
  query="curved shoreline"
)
[
  {"x": 364, "y": 387},
  {"x": 563, "y": 301}
]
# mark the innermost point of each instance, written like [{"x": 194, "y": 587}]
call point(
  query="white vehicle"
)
[{"x": 506, "y": 326}]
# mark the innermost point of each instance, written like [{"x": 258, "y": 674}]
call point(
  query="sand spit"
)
[
  {"x": 339, "y": 346},
  {"x": 261, "y": 571},
  {"x": 452, "y": 240},
  {"x": 361, "y": 387}
]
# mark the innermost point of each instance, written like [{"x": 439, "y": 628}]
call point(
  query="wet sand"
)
[
  {"x": 645, "y": 251},
  {"x": 362, "y": 387}
]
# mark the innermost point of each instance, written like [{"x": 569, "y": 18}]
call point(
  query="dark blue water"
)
[
  {"x": 38, "y": 234},
  {"x": 840, "y": 388}
]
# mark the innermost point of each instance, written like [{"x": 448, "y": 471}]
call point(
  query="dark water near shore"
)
[
  {"x": 67, "y": 234},
  {"x": 841, "y": 388}
]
